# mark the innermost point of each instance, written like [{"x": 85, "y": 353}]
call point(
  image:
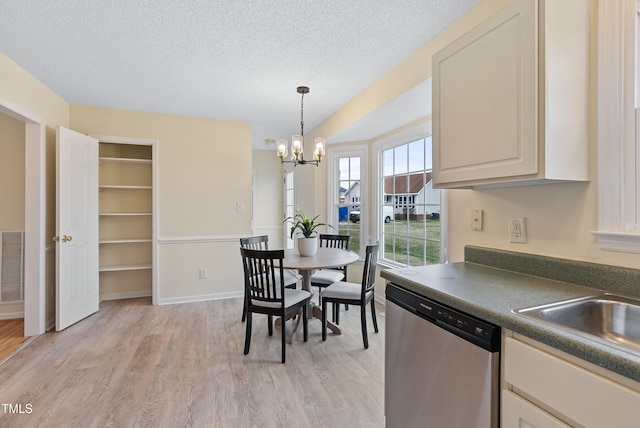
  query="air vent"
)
[{"x": 11, "y": 266}]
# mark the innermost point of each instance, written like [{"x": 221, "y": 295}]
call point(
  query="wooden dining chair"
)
[
  {"x": 323, "y": 278},
  {"x": 261, "y": 242},
  {"x": 266, "y": 293},
  {"x": 355, "y": 294}
]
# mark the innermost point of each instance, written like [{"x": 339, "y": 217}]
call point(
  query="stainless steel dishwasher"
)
[{"x": 441, "y": 365}]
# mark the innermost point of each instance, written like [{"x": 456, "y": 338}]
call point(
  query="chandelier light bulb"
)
[
  {"x": 282, "y": 149},
  {"x": 318, "y": 151}
]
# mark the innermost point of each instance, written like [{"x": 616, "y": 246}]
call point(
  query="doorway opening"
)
[{"x": 35, "y": 216}]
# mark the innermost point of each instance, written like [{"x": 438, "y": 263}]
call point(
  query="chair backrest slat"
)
[
  {"x": 369, "y": 271},
  {"x": 335, "y": 241},
  {"x": 262, "y": 275},
  {"x": 255, "y": 242}
]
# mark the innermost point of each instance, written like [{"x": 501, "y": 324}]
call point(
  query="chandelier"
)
[{"x": 297, "y": 141}]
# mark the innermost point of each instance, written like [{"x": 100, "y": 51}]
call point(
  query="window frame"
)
[
  {"x": 333, "y": 184},
  {"x": 406, "y": 136},
  {"x": 288, "y": 177},
  {"x": 618, "y": 127}
]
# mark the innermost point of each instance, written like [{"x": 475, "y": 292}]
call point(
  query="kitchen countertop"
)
[{"x": 490, "y": 293}]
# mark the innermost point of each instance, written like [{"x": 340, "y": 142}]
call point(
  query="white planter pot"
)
[{"x": 308, "y": 247}]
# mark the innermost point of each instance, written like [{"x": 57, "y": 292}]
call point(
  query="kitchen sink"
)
[{"x": 607, "y": 318}]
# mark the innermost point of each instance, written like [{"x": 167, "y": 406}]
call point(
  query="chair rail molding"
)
[{"x": 200, "y": 239}]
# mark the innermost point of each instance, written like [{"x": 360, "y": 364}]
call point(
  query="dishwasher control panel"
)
[{"x": 477, "y": 331}]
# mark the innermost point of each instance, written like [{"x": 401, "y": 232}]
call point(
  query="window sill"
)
[{"x": 618, "y": 241}]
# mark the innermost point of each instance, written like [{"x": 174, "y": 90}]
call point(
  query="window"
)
[
  {"x": 289, "y": 207},
  {"x": 347, "y": 194},
  {"x": 409, "y": 212},
  {"x": 618, "y": 125}
]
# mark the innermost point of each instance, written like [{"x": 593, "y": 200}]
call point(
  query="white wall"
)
[{"x": 559, "y": 216}]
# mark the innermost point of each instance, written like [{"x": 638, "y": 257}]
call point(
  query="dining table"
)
[{"x": 324, "y": 258}]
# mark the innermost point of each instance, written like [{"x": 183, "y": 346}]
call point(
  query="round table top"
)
[{"x": 324, "y": 258}]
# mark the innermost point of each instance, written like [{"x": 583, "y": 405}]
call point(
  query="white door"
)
[{"x": 76, "y": 227}]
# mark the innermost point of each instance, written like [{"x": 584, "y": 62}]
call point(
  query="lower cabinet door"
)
[{"x": 519, "y": 413}]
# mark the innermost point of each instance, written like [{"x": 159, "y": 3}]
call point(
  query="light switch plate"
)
[{"x": 476, "y": 219}]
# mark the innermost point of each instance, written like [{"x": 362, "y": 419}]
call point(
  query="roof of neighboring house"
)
[
  {"x": 355, "y": 183},
  {"x": 398, "y": 184}
]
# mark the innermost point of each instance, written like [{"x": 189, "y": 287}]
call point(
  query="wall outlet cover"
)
[{"x": 517, "y": 230}]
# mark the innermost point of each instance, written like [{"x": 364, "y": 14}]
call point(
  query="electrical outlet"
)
[
  {"x": 203, "y": 273},
  {"x": 476, "y": 220},
  {"x": 517, "y": 230}
]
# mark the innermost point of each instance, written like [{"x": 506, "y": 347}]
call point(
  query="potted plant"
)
[{"x": 308, "y": 242}]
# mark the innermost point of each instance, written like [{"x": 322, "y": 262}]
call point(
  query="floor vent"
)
[{"x": 11, "y": 266}]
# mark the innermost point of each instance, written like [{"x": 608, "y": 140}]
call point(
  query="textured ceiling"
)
[{"x": 236, "y": 60}]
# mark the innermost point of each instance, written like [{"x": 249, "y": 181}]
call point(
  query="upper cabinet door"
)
[
  {"x": 485, "y": 98},
  {"x": 494, "y": 89}
]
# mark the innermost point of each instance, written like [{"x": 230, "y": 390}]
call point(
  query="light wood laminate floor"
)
[{"x": 134, "y": 364}]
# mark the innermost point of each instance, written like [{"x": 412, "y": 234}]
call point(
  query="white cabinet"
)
[
  {"x": 519, "y": 413},
  {"x": 511, "y": 98},
  {"x": 126, "y": 219},
  {"x": 541, "y": 389}
]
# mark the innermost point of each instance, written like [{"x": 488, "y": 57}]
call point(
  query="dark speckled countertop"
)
[{"x": 489, "y": 291}]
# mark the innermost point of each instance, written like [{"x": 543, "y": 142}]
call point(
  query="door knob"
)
[{"x": 66, "y": 238}]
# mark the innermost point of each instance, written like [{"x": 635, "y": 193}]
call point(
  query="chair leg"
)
[
  {"x": 336, "y": 310},
  {"x": 284, "y": 337},
  {"x": 305, "y": 324},
  {"x": 244, "y": 310},
  {"x": 363, "y": 321},
  {"x": 270, "y": 324},
  {"x": 247, "y": 337},
  {"x": 373, "y": 315},
  {"x": 324, "y": 319}
]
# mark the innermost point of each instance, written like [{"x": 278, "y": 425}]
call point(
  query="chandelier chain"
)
[{"x": 302, "y": 116}]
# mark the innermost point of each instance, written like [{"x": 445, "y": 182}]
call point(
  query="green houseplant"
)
[
  {"x": 305, "y": 224},
  {"x": 308, "y": 242}
]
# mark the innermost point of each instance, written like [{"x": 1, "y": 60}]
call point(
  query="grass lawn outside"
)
[{"x": 406, "y": 242}]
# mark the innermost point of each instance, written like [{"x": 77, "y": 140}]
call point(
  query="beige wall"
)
[
  {"x": 19, "y": 90},
  {"x": 268, "y": 208},
  {"x": 559, "y": 216},
  {"x": 204, "y": 168},
  {"x": 12, "y": 167},
  {"x": 12, "y": 182}
]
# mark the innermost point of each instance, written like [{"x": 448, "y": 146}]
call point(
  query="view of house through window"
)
[
  {"x": 410, "y": 207},
  {"x": 348, "y": 204}
]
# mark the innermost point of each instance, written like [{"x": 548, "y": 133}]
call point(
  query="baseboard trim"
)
[
  {"x": 125, "y": 295},
  {"x": 11, "y": 315},
  {"x": 201, "y": 298}
]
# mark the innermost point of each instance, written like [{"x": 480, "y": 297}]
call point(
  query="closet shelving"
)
[{"x": 126, "y": 210}]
